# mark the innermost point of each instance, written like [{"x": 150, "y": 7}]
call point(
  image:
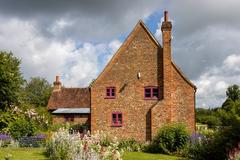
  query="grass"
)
[
  {"x": 38, "y": 154},
  {"x": 148, "y": 156},
  {"x": 23, "y": 153}
]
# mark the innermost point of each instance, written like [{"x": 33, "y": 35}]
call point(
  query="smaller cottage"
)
[{"x": 69, "y": 104}]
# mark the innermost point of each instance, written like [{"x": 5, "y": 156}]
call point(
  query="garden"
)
[{"x": 26, "y": 130}]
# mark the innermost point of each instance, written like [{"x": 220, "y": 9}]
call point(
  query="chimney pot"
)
[
  {"x": 57, "y": 78},
  {"x": 57, "y": 84},
  {"x": 165, "y": 16}
]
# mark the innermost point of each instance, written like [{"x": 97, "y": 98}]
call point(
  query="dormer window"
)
[
  {"x": 151, "y": 93},
  {"x": 110, "y": 92}
]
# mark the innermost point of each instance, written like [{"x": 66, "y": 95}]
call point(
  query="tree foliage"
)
[
  {"x": 233, "y": 92},
  {"x": 227, "y": 138},
  {"x": 10, "y": 79},
  {"x": 224, "y": 141},
  {"x": 37, "y": 91},
  {"x": 208, "y": 116}
]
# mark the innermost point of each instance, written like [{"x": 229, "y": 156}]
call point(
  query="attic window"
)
[
  {"x": 151, "y": 93},
  {"x": 117, "y": 119},
  {"x": 110, "y": 92}
]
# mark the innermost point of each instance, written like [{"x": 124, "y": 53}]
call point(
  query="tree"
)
[
  {"x": 228, "y": 105},
  {"x": 233, "y": 92},
  {"x": 37, "y": 91},
  {"x": 208, "y": 116},
  {"x": 10, "y": 79}
]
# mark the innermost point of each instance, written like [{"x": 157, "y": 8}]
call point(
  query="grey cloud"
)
[
  {"x": 91, "y": 20},
  {"x": 205, "y": 33}
]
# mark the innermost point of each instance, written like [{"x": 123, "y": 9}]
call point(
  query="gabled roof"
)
[
  {"x": 69, "y": 98},
  {"x": 126, "y": 43}
]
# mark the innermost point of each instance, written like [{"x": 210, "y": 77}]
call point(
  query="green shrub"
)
[
  {"x": 219, "y": 146},
  {"x": 22, "y": 127},
  {"x": 131, "y": 145},
  {"x": 56, "y": 127},
  {"x": 169, "y": 139}
]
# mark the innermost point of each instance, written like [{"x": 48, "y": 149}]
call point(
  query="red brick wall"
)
[
  {"x": 183, "y": 97},
  {"x": 139, "y": 53},
  {"x": 78, "y": 119},
  {"x": 182, "y": 101}
]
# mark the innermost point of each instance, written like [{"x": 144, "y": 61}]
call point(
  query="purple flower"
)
[
  {"x": 33, "y": 141},
  {"x": 40, "y": 136},
  {"x": 196, "y": 137},
  {"x": 5, "y": 137}
]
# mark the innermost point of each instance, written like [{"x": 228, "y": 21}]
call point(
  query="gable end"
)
[{"x": 125, "y": 45}]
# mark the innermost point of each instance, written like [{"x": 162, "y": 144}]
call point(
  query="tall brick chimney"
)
[
  {"x": 167, "y": 62},
  {"x": 57, "y": 84}
]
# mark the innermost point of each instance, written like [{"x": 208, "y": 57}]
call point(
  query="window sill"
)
[
  {"x": 116, "y": 125},
  {"x": 110, "y": 98},
  {"x": 151, "y": 98}
]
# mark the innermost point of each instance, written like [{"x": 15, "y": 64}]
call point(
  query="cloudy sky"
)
[{"x": 76, "y": 38}]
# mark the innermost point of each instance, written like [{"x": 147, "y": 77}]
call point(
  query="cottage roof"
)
[{"x": 69, "y": 98}]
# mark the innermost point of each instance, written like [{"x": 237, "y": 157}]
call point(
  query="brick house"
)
[{"x": 139, "y": 90}]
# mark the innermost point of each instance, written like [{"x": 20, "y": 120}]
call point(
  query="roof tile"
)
[{"x": 69, "y": 98}]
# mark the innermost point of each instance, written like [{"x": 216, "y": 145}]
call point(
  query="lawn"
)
[
  {"x": 148, "y": 156},
  {"x": 23, "y": 153},
  {"x": 38, "y": 154}
]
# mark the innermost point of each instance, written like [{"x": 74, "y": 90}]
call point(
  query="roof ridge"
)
[{"x": 149, "y": 32}]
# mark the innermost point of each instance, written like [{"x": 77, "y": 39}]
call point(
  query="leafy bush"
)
[
  {"x": 131, "y": 145},
  {"x": 43, "y": 118},
  {"x": 169, "y": 139},
  {"x": 220, "y": 146},
  {"x": 22, "y": 127}
]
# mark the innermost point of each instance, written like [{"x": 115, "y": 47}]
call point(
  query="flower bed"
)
[
  {"x": 5, "y": 140},
  {"x": 66, "y": 146},
  {"x": 33, "y": 141}
]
